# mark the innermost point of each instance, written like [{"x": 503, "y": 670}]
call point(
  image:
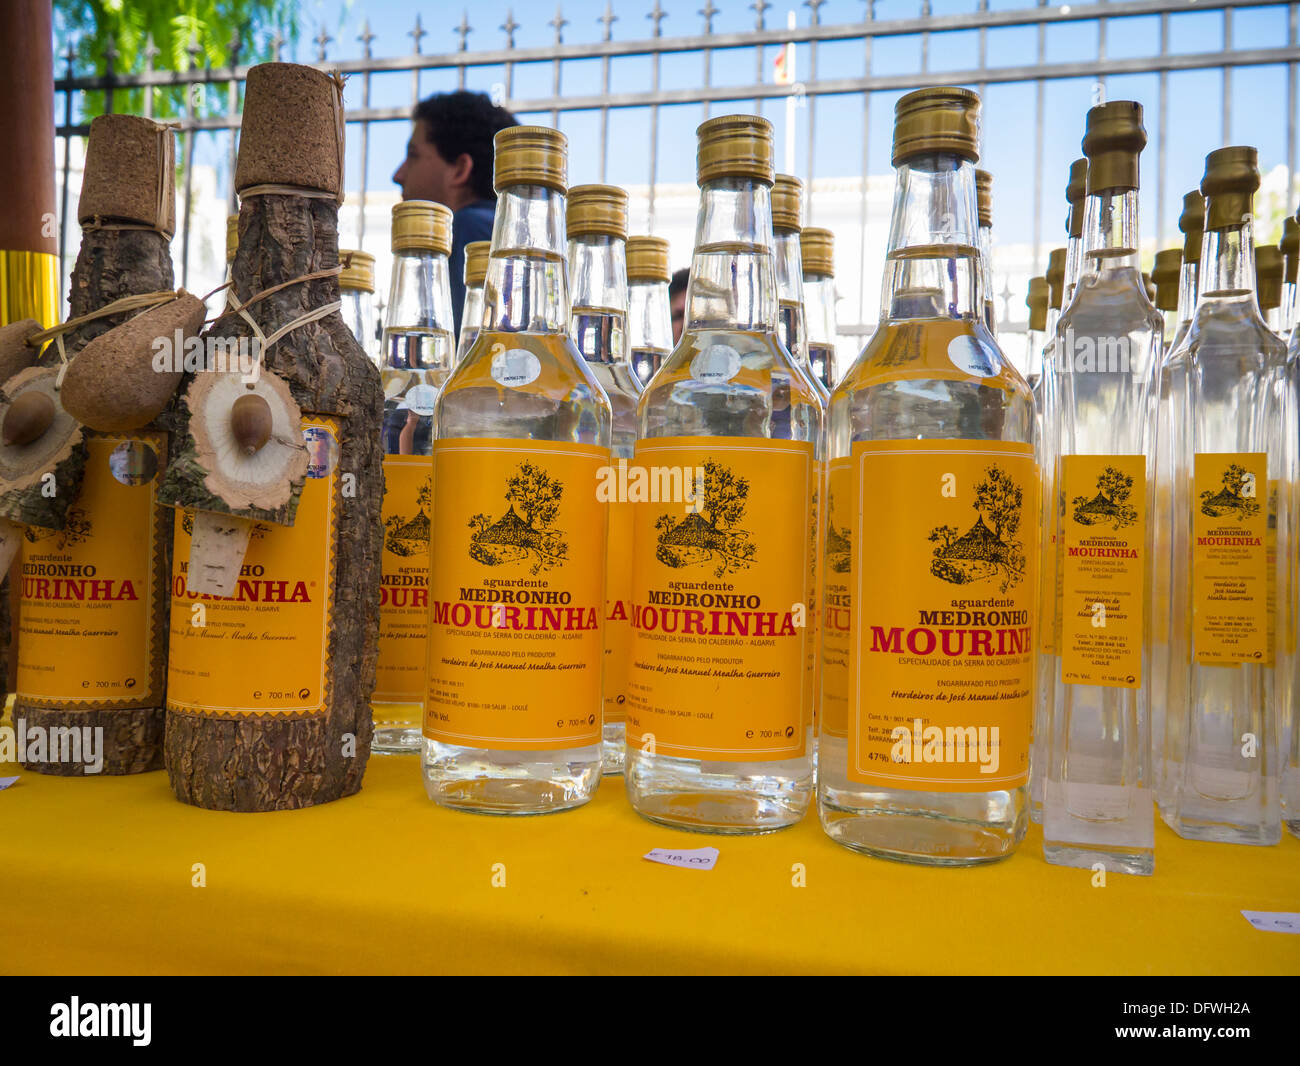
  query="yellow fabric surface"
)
[{"x": 96, "y": 875}]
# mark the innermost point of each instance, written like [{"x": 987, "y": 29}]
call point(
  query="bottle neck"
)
[
  {"x": 792, "y": 318},
  {"x": 527, "y": 287},
  {"x": 1288, "y": 306},
  {"x": 819, "y": 309},
  {"x": 649, "y": 317},
  {"x": 471, "y": 316},
  {"x": 986, "y": 276},
  {"x": 733, "y": 269},
  {"x": 598, "y": 270},
  {"x": 419, "y": 298},
  {"x": 1073, "y": 265},
  {"x": 1187, "y": 291},
  {"x": 1229, "y": 259},
  {"x": 932, "y": 268},
  {"x": 1110, "y": 231},
  {"x": 1034, "y": 354}
]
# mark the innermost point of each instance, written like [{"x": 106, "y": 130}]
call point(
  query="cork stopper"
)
[
  {"x": 1076, "y": 193},
  {"x": 1192, "y": 224},
  {"x": 292, "y": 130},
  {"x": 1056, "y": 276},
  {"x": 1268, "y": 277},
  {"x": 358, "y": 271},
  {"x": 476, "y": 263},
  {"x": 787, "y": 203},
  {"x": 647, "y": 259},
  {"x": 1165, "y": 273},
  {"x": 232, "y": 238},
  {"x": 421, "y": 226},
  {"x": 984, "y": 198},
  {"x": 1037, "y": 301},
  {"x": 817, "y": 249},
  {"x": 130, "y": 173},
  {"x": 929, "y": 121},
  {"x": 1229, "y": 186},
  {"x": 1113, "y": 141},
  {"x": 597, "y": 209},
  {"x": 531, "y": 155},
  {"x": 734, "y": 146},
  {"x": 1290, "y": 247}
]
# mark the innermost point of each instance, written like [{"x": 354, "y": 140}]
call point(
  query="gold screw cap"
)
[
  {"x": 984, "y": 197},
  {"x": 1076, "y": 193},
  {"x": 531, "y": 155},
  {"x": 734, "y": 146},
  {"x": 597, "y": 209},
  {"x": 1036, "y": 301},
  {"x": 1229, "y": 186},
  {"x": 1165, "y": 273},
  {"x": 1291, "y": 247},
  {"x": 1113, "y": 141},
  {"x": 476, "y": 263},
  {"x": 358, "y": 271},
  {"x": 422, "y": 226},
  {"x": 647, "y": 259},
  {"x": 1056, "y": 276},
  {"x": 942, "y": 119},
  {"x": 1192, "y": 224},
  {"x": 817, "y": 251},
  {"x": 1268, "y": 276},
  {"x": 787, "y": 203}
]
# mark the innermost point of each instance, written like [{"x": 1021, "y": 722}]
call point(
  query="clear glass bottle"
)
[
  {"x": 719, "y": 729},
  {"x": 1290, "y": 245},
  {"x": 1269, "y": 272},
  {"x": 649, "y": 319},
  {"x": 357, "y": 292},
  {"x": 1192, "y": 224},
  {"x": 522, "y": 431},
  {"x": 1035, "y": 333},
  {"x": 1231, "y": 670},
  {"x": 476, "y": 264},
  {"x": 597, "y": 225},
  {"x": 1097, "y": 797},
  {"x": 984, "y": 203},
  {"x": 417, "y": 350},
  {"x": 932, "y": 420},
  {"x": 1167, "y": 274},
  {"x": 817, "y": 249}
]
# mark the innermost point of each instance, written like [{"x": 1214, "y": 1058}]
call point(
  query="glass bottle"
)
[
  {"x": 1097, "y": 798},
  {"x": 597, "y": 225},
  {"x": 1167, "y": 274},
  {"x": 937, "y": 426},
  {"x": 1076, "y": 195},
  {"x": 649, "y": 318},
  {"x": 1192, "y": 224},
  {"x": 817, "y": 250},
  {"x": 357, "y": 293},
  {"x": 476, "y": 264},
  {"x": 1036, "y": 332},
  {"x": 719, "y": 707},
  {"x": 1289, "y": 730},
  {"x": 1290, "y": 245},
  {"x": 417, "y": 355},
  {"x": 984, "y": 204},
  {"x": 517, "y": 587},
  {"x": 1269, "y": 272},
  {"x": 1232, "y": 535}
]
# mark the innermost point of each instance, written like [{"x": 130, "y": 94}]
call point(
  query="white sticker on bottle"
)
[
  {"x": 5, "y": 782},
  {"x": 1274, "y": 921},
  {"x": 686, "y": 858},
  {"x": 717, "y": 363},
  {"x": 513, "y": 367},
  {"x": 420, "y": 399},
  {"x": 971, "y": 357}
]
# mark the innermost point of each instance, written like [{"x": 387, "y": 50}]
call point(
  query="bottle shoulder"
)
[{"x": 542, "y": 364}]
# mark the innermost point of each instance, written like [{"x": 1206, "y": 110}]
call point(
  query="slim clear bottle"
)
[
  {"x": 1097, "y": 798},
  {"x": 512, "y": 721},
  {"x": 357, "y": 293},
  {"x": 597, "y": 225},
  {"x": 817, "y": 251},
  {"x": 984, "y": 203},
  {"x": 929, "y": 419},
  {"x": 719, "y": 733},
  {"x": 649, "y": 317},
  {"x": 476, "y": 264},
  {"x": 1269, "y": 272},
  {"x": 416, "y": 360},
  {"x": 1290, "y": 729}
]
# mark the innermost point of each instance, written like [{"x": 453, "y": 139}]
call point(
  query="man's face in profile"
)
[
  {"x": 678, "y": 308},
  {"x": 424, "y": 174}
]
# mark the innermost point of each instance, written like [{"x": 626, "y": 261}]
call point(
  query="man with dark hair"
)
[
  {"x": 449, "y": 160},
  {"x": 677, "y": 301}
]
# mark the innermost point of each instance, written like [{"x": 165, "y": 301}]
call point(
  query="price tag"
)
[
  {"x": 686, "y": 858},
  {"x": 1274, "y": 921}
]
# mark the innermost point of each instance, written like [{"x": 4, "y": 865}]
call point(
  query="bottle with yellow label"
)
[
  {"x": 1232, "y": 535},
  {"x": 649, "y": 315},
  {"x": 597, "y": 225},
  {"x": 719, "y": 717},
  {"x": 476, "y": 262},
  {"x": 984, "y": 204},
  {"x": 931, "y": 535},
  {"x": 357, "y": 293},
  {"x": 512, "y": 721},
  {"x": 1097, "y": 791},
  {"x": 817, "y": 255},
  {"x": 417, "y": 360}
]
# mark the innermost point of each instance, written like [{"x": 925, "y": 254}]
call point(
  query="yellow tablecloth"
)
[{"x": 96, "y": 876}]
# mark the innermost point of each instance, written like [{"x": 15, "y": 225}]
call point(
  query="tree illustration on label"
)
[
  {"x": 526, "y": 530},
  {"x": 410, "y": 536},
  {"x": 712, "y": 533},
  {"x": 78, "y": 530},
  {"x": 1110, "y": 505},
  {"x": 988, "y": 550},
  {"x": 1236, "y": 496},
  {"x": 839, "y": 543}
]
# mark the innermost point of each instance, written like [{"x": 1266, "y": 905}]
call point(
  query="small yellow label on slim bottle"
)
[{"x": 404, "y": 586}]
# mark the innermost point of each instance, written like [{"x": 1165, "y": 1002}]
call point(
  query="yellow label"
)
[
  {"x": 1103, "y": 569},
  {"x": 837, "y": 597},
  {"x": 1050, "y": 555},
  {"x": 1162, "y": 572},
  {"x": 815, "y": 580},
  {"x": 720, "y": 664},
  {"x": 92, "y": 592},
  {"x": 945, "y": 583},
  {"x": 618, "y": 610},
  {"x": 404, "y": 586},
  {"x": 263, "y": 650},
  {"x": 1230, "y": 571},
  {"x": 517, "y": 595}
]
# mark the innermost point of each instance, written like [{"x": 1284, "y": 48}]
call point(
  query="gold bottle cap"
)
[
  {"x": 232, "y": 237},
  {"x": 1229, "y": 186},
  {"x": 597, "y": 209},
  {"x": 1165, "y": 273},
  {"x": 1113, "y": 141},
  {"x": 1192, "y": 224},
  {"x": 421, "y": 226},
  {"x": 787, "y": 203},
  {"x": 734, "y": 146},
  {"x": 1268, "y": 276},
  {"x": 531, "y": 155},
  {"x": 941, "y": 119},
  {"x": 1076, "y": 192},
  {"x": 476, "y": 263},
  {"x": 647, "y": 259},
  {"x": 817, "y": 250},
  {"x": 1036, "y": 301},
  {"x": 984, "y": 197},
  {"x": 1056, "y": 276},
  {"x": 1291, "y": 247},
  {"x": 358, "y": 271}
]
